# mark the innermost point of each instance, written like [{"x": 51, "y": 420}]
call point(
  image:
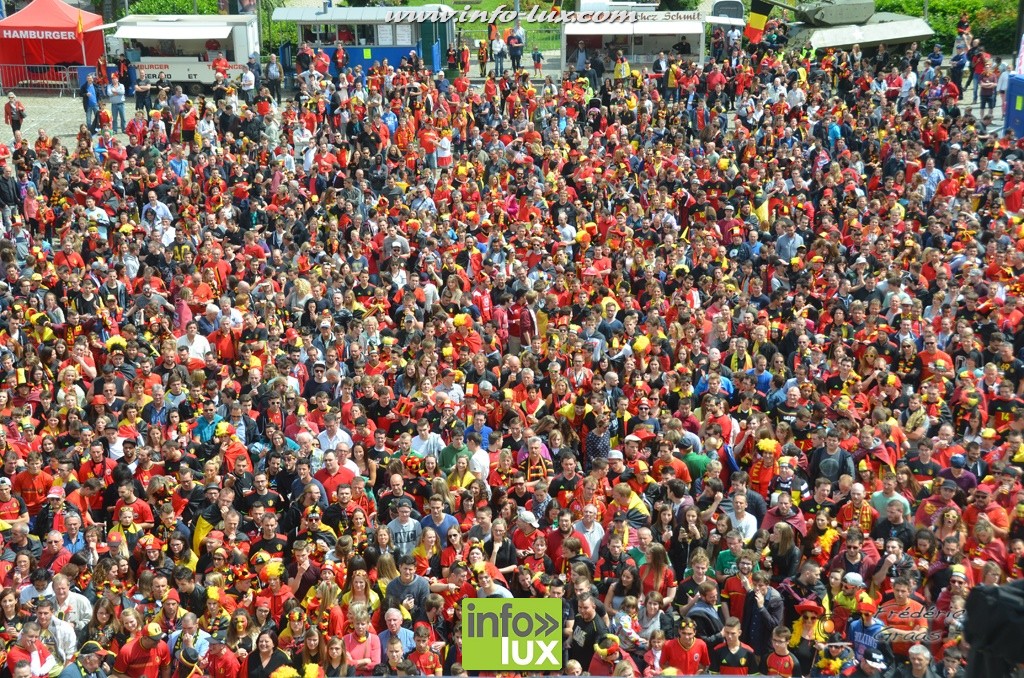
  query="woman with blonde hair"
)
[
  {"x": 324, "y": 606},
  {"x": 69, "y": 393},
  {"x": 461, "y": 477},
  {"x": 132, "y": 623},
  {"x": 428, "y": 553},
  {"x": 359, "y": 590}
]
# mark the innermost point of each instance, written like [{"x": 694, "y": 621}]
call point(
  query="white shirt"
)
[
  {"x": 207, "y": 129},
  {"x": 747, "y": 526},
  {"x": 248, "y": 81},
  {"x": 64, "y": 639},
  {"x": 197, "y": 348},
  {"x": 328, "y": 442},
  {"x": 77, "y": 610},
  {"x": 480, "y": 464},
  {"x": 234, "y": 318}
]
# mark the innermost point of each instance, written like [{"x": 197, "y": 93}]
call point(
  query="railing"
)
[
  {"x": 547, "y": 38},
  {"x": 41, "y": 79}
]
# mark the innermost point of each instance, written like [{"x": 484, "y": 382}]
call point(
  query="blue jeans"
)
[
  {"x": 90, "y": 116},
  {"x": 117, "y": 113}
]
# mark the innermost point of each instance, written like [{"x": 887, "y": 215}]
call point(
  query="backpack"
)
[{"x": 994, "y": 618}]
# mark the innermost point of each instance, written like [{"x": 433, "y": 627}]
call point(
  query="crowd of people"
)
[{"x": 725, "y": 356}]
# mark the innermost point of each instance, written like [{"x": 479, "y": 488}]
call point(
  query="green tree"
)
[
  {"x": 678, "y": 5},
  {"x": 184, "y": 7},
  {"x": 994, "y": 21}
]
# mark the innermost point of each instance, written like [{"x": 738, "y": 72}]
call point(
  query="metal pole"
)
[
  {"x": 925, "y": 12},
  {"x": 195, "y": 7}
]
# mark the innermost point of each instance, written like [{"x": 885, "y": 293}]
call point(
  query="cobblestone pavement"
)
[{"x": 61, "y": 116}]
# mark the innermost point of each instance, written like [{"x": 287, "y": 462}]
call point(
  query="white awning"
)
[
  {"x": 724, "y": 21},
  {"x": 101, "y": 27},
  {"x": 594, "y": 29},
  {"x": 173, "y": 32},
  {"x": 668, "y": 28}
]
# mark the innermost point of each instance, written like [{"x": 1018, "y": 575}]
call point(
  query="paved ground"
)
[
  {"x": 63, "y": 115},
  {"x": 57, "y": 115}
]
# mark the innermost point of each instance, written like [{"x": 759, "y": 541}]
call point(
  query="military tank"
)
[{"x": 840, "y": 24}]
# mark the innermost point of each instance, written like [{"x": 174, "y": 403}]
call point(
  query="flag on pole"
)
[
  {"x": 757, "y": 20},
  {"x": 80, "y": 29}
]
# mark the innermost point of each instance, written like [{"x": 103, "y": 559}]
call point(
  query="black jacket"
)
[
  {"x": 9, "y": 192},
  {"x": 995, "y": 616}
]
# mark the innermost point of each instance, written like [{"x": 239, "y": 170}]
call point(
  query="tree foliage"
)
[
  {"x": 172, "y": 7},
  {"x": 994, "y": 21}
]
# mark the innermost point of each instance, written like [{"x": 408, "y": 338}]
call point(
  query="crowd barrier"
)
[{"x": 38, "y": 79}]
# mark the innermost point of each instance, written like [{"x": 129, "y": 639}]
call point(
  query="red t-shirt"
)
[
  {"x": 688, "y": 662},
  {"x": 33, "y": 489},
  {"x": 331, "y": 483},
  {"x": 143, "y": 513},
  {"x": 427, "y": 662},
  {"x": 135, "y": 661},
  {"x": 12, "y": 509}
]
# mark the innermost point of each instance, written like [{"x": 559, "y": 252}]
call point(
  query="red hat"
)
[
  {"x": 643, "y": 402},
  {"x": 644, "y": 435},
  {"x": 99, "y": 400},
  {"x": 985, "y": 488},
  {"x": 810, "y": 606},
  {"x": 216, "y": 535},
  {"x": 151, "y": 542},
  {"x": 867, "y": 607},
  {"x": 173, "y": 595}
]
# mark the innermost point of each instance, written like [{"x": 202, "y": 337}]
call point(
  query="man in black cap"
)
[
  {"x": 145, "y": 657},
  {"x": 89, "y": 662},
  {"x": 221, "y": 660},
  {"x": 188, "y": 659}
]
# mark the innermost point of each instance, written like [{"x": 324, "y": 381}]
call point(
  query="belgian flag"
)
[
  {"x": 759, "y": 11},
  {"x": 205, "y": 524}
]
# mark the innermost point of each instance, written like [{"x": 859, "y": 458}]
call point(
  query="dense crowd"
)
[{"x": 725, "y": 356}]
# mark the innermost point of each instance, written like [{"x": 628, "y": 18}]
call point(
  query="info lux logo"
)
[{"x": 501, "y": 634}]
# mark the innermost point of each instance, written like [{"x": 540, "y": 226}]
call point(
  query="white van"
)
[{"x": 184, "y": 47}]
